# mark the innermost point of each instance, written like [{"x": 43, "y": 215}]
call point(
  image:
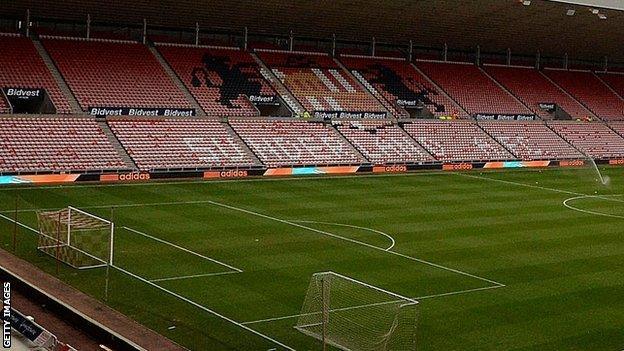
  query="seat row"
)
[
  {"x": 108, "y": 73},
  {"x": 319, "y": 84},
  {"x": 61, "y": 144},
  {"x": 55, "y": 145},
  {"x": 114, "y": 74},
  {"x": 221, "y": 80}
]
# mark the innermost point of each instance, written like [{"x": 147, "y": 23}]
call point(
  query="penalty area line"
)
[
  {"x": 418, "y": 298},
  {"x": 162, "y": 241},
  {"x": 180, "y": 297},
  {"x": 181, "y": 277}
]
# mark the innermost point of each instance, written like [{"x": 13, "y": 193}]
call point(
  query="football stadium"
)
[{"x": 395, "y": 175}]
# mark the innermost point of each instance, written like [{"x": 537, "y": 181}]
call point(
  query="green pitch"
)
[{"x": 509, "y": 260}]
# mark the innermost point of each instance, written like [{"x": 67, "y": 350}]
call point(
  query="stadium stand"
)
[
  {"x": 615, "y": 81},
  {"x": 114, "y": 74},
  {"x": 618, "y": 127},
  {"x": 594, "y": 139},
  {"x": 4, "y": 105},
  {"x": 22, "y": 67},
  {"x": 46, "y": 144},
  {"x": 383, "y": 142},
  {"x": 532, "y": 88},
  {"x": 472, "y": 88},
  {"x": 294, "y": 143},
  {"x": 456, "y": 141},
  {"x": 590, "y": 91},
  {"x": 156, "y": 144},
  {"x": 399, "y": 84},
  {"x": 530, "y": 140},
  {"x": 221, "y": 80},
  {"x": 319, "y": 83}
]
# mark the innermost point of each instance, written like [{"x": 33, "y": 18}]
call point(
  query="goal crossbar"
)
[
  {"x": 77, "y": 238},
  {"x": 399, "y": 297}
]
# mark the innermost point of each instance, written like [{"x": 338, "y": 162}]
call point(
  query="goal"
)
[
  {"x": 75, "y": 237},
  {"x": 351, "y": 315}
]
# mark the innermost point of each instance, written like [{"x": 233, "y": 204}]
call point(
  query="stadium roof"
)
[{"x": 525, "y": 26}]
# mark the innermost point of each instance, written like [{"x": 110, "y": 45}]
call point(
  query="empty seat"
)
[
  {"x": 594, "y": 139},
  {"x": 294, "y": 143},
  {"x": 114, "y": 74},
  {"x": 156, "y": 144},
  {"x": 398, "y": 82},
  {"x": 590, "y": 91},
  {"x": 319, "y": 84},
  {"x": 456, "y": 141},
  {"x": 22, "y": 67},
  {"x": 56, "y": 144},
  {"x": 383, "y": 142},
  {"x": 472, "y": 88},
  {"x": 221, "y": 80},
  {"x": 530, "y": 140},
  {"x": 532, "y": 88}
]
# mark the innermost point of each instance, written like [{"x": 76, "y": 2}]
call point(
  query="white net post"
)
[
  {"x": 352, "y": 315},
  {"x": 111, "y": 243},
  {"x": 75, "y": 237},
  {"x": 325, "y": 307},
  {"x": 69, "y": 226}
]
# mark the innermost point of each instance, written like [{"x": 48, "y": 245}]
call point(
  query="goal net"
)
[
  {"x": 75, "y": 237},
  {"x": 351, "y": 315}
]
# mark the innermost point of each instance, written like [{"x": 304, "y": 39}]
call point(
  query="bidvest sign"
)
[{"x": 141, "y": 112}]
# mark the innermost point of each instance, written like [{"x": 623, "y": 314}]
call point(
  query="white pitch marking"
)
[
  {"x": 19, "y": 223},
  {"x": 354, "y": 241},
  {"x": 603, "y": 197},
  {"x": 375, "y": 304},
  {"x": 183, "y": 249},
  {"x": 519, "y": 184},
  {"x": 204, "y": 308},
  {"x": 392, "y": 241},
  {"x": 185, "y": 299},
  {"x": 167, "y": 203},
  {"x": 193, "y": 276},
  {"x": 191, "y": 202},
  {"x": 566, "y": 204}
]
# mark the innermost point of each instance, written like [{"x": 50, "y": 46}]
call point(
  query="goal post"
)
[
  {"x": 75, "y": 237},
  {"x": 352, "y": 315}
]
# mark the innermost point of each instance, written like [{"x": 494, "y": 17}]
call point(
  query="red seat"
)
[
  {"x": 383, "y": 142},
  {"x": 318, "y": 83},
  {"x": 184, "y": 60},
  {"x": 294, "y": 143},
  {"x": 179, "y": 143},
  {"x": 114, "y": 74},
  {"x": 456, "y": 141},
  {"x": 55, "y": 144},
  {"x": 472, "y": 88},
  {"x": 532, "y": 88},
  {"x": 594, "y": 139},
  {"x": 590, "y": 91},
  {"x": 22, "y": 67}
]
